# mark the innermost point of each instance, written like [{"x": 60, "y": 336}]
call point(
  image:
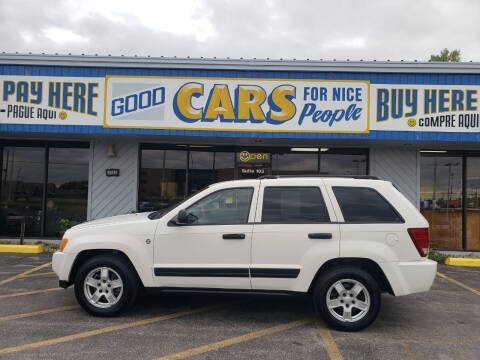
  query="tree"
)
[{"x": 446, "y": 55}]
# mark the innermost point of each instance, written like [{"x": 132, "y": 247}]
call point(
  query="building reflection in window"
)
[
  {"x": 441, "y": 199},
  {"x": 22, "y": 190},
  {"x": 293, "y": 163},
  {"x": 67, "y": 189},
  {"x": 224, "y": 165},
  {"x": 472, "y": 203},
  {"x": 162, "y": 178},
  {"x": 201, "y": 170},
  {"x": 343, "y": 164},
  {"x": 23, "y": 199},
  {"x": 208, "y": 167}
]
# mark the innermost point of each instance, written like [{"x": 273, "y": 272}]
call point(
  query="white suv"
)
[{"x": 344, "y": 240}]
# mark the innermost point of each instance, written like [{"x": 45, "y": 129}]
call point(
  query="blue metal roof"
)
[
  {"x": 308, "y": 65},
  {"x": 373, "y": 135},
  {"x": 374, "y": 78}
]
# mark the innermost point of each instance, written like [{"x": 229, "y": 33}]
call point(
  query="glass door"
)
[
  {"x": 209, "y": 167},
  {"x": 441, "y": 199},
  {"x": 472, "y": 203},
  {"x": 252, "y": 165},
  {"x": 252, "y": 171},
  {"x": 163, "y": 178},
  {"x": 23, "y": 176},
  {"x": 67, "y": 189}
]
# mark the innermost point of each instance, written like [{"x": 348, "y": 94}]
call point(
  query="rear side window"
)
[
  {"x": 292, "y": 204},
  {"x": 365, "y": 205}
]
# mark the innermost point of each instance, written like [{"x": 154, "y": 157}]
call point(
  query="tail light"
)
[{"x": 420, "y": 239}]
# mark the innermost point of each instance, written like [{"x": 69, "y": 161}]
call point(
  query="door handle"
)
[
  {"x": 320, "y": 235},
  {"x": 233, "y": 236}
]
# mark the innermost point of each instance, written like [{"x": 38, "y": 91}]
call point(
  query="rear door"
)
[
  {"x": 295, "y": 231},
  {"x": 370, "y": 223}
]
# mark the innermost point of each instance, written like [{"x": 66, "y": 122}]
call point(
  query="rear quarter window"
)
[{"x": 365, "y": 205}]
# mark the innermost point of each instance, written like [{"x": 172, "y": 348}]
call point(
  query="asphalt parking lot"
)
[{"x": 40, "y": 321}]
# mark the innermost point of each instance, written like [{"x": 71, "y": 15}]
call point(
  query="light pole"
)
[{"x": 450, "y": 185}]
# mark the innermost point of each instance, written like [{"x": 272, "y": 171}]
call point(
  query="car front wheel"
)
[
  {"x": 106, "y": 286},
  {"x": 347, "y": 298}
]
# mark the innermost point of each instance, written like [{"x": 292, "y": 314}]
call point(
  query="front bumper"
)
[
  {"x": 410, "y": 277},
  {"x": 62, "y": 264},
  {"x": 64, "y": 284}
]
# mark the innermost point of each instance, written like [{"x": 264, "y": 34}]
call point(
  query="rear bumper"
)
[{"x": 410, "y": 277}]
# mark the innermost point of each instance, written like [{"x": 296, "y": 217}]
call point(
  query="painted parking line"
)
[
  {"x": 440, "y": 341},
  {"x": 108, "y": 329},
  {"x": 25, "y": 273},
  {"x": 38, "y": 274},
  {"x": 456, "y": 282},
  {"x": 235, "y": 340},
  {"x": 329, "y": 342},
  {"x": 39, "y": 312},
  {"x": 33, "y": 292}
]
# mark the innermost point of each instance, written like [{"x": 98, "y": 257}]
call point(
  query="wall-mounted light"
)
[
  {"x": 304, "y": 149},
  {"x": 196, "y": 146},
  {"x": 111, "y": 150},
  {"x": 434, "y": 151}
]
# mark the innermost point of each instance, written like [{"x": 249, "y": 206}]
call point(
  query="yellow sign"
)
[{"x": 245, "y": 156}]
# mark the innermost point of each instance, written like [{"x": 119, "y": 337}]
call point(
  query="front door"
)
[
  {"x": 213, "y": 249},
  {"x": 295, "y": 232}
]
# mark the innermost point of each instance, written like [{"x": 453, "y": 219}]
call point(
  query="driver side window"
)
[{"x": 223, "y": 207}]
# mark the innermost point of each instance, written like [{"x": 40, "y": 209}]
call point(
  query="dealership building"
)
[{"x": 85, "y": 137}]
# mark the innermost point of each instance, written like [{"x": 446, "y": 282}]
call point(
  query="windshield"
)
[{"x": 159, "y": 213}]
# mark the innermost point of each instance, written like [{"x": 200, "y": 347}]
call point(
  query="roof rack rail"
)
[{"x": 367, "y": 177}]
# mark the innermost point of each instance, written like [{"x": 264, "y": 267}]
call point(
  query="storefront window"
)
[
  {"x": 23, "y": 184},
  {"x": 473, "y": 203},
  {"x": 209, "y": 167},
  {"x": 67, "y": 189},
  {"x": 441, "y": 199},
  {"x": 295, "y": 164},
  {"x": 224, "y": 166},
  {"x": 331, "y": 161},
  {"x": 23, "y": 173},
  {"x": 162, "y": 178},
  {"x": 201, "y": 170},
  {"x": 169, "y": 173},
  {"x": 343, "y": 164}
]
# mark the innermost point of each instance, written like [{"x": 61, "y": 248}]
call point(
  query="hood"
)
[{"x": 113, "y": 220}]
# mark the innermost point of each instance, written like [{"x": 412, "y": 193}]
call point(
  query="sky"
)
[{"x": 275, "y": 29}]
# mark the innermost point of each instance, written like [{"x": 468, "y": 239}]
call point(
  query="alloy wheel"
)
[
  {"x": 103, "y": 287},
  {"x": 348, "y": 300}
]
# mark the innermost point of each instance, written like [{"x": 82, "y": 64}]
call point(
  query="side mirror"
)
[{"x": 182, "y": 218}]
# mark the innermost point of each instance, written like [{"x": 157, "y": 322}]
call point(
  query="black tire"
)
[
  {"x": 347, "y": 298},
  {"x": 124, "y": 298}
]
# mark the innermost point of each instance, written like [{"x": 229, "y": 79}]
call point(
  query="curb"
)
[
  {"x": 25, "y": 249},
  {"x": 462, "y": 262}
]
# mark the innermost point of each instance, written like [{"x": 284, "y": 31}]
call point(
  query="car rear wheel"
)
[
  {"x": 106, "y": 286},
  {"x": 347, "y": 298}
]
